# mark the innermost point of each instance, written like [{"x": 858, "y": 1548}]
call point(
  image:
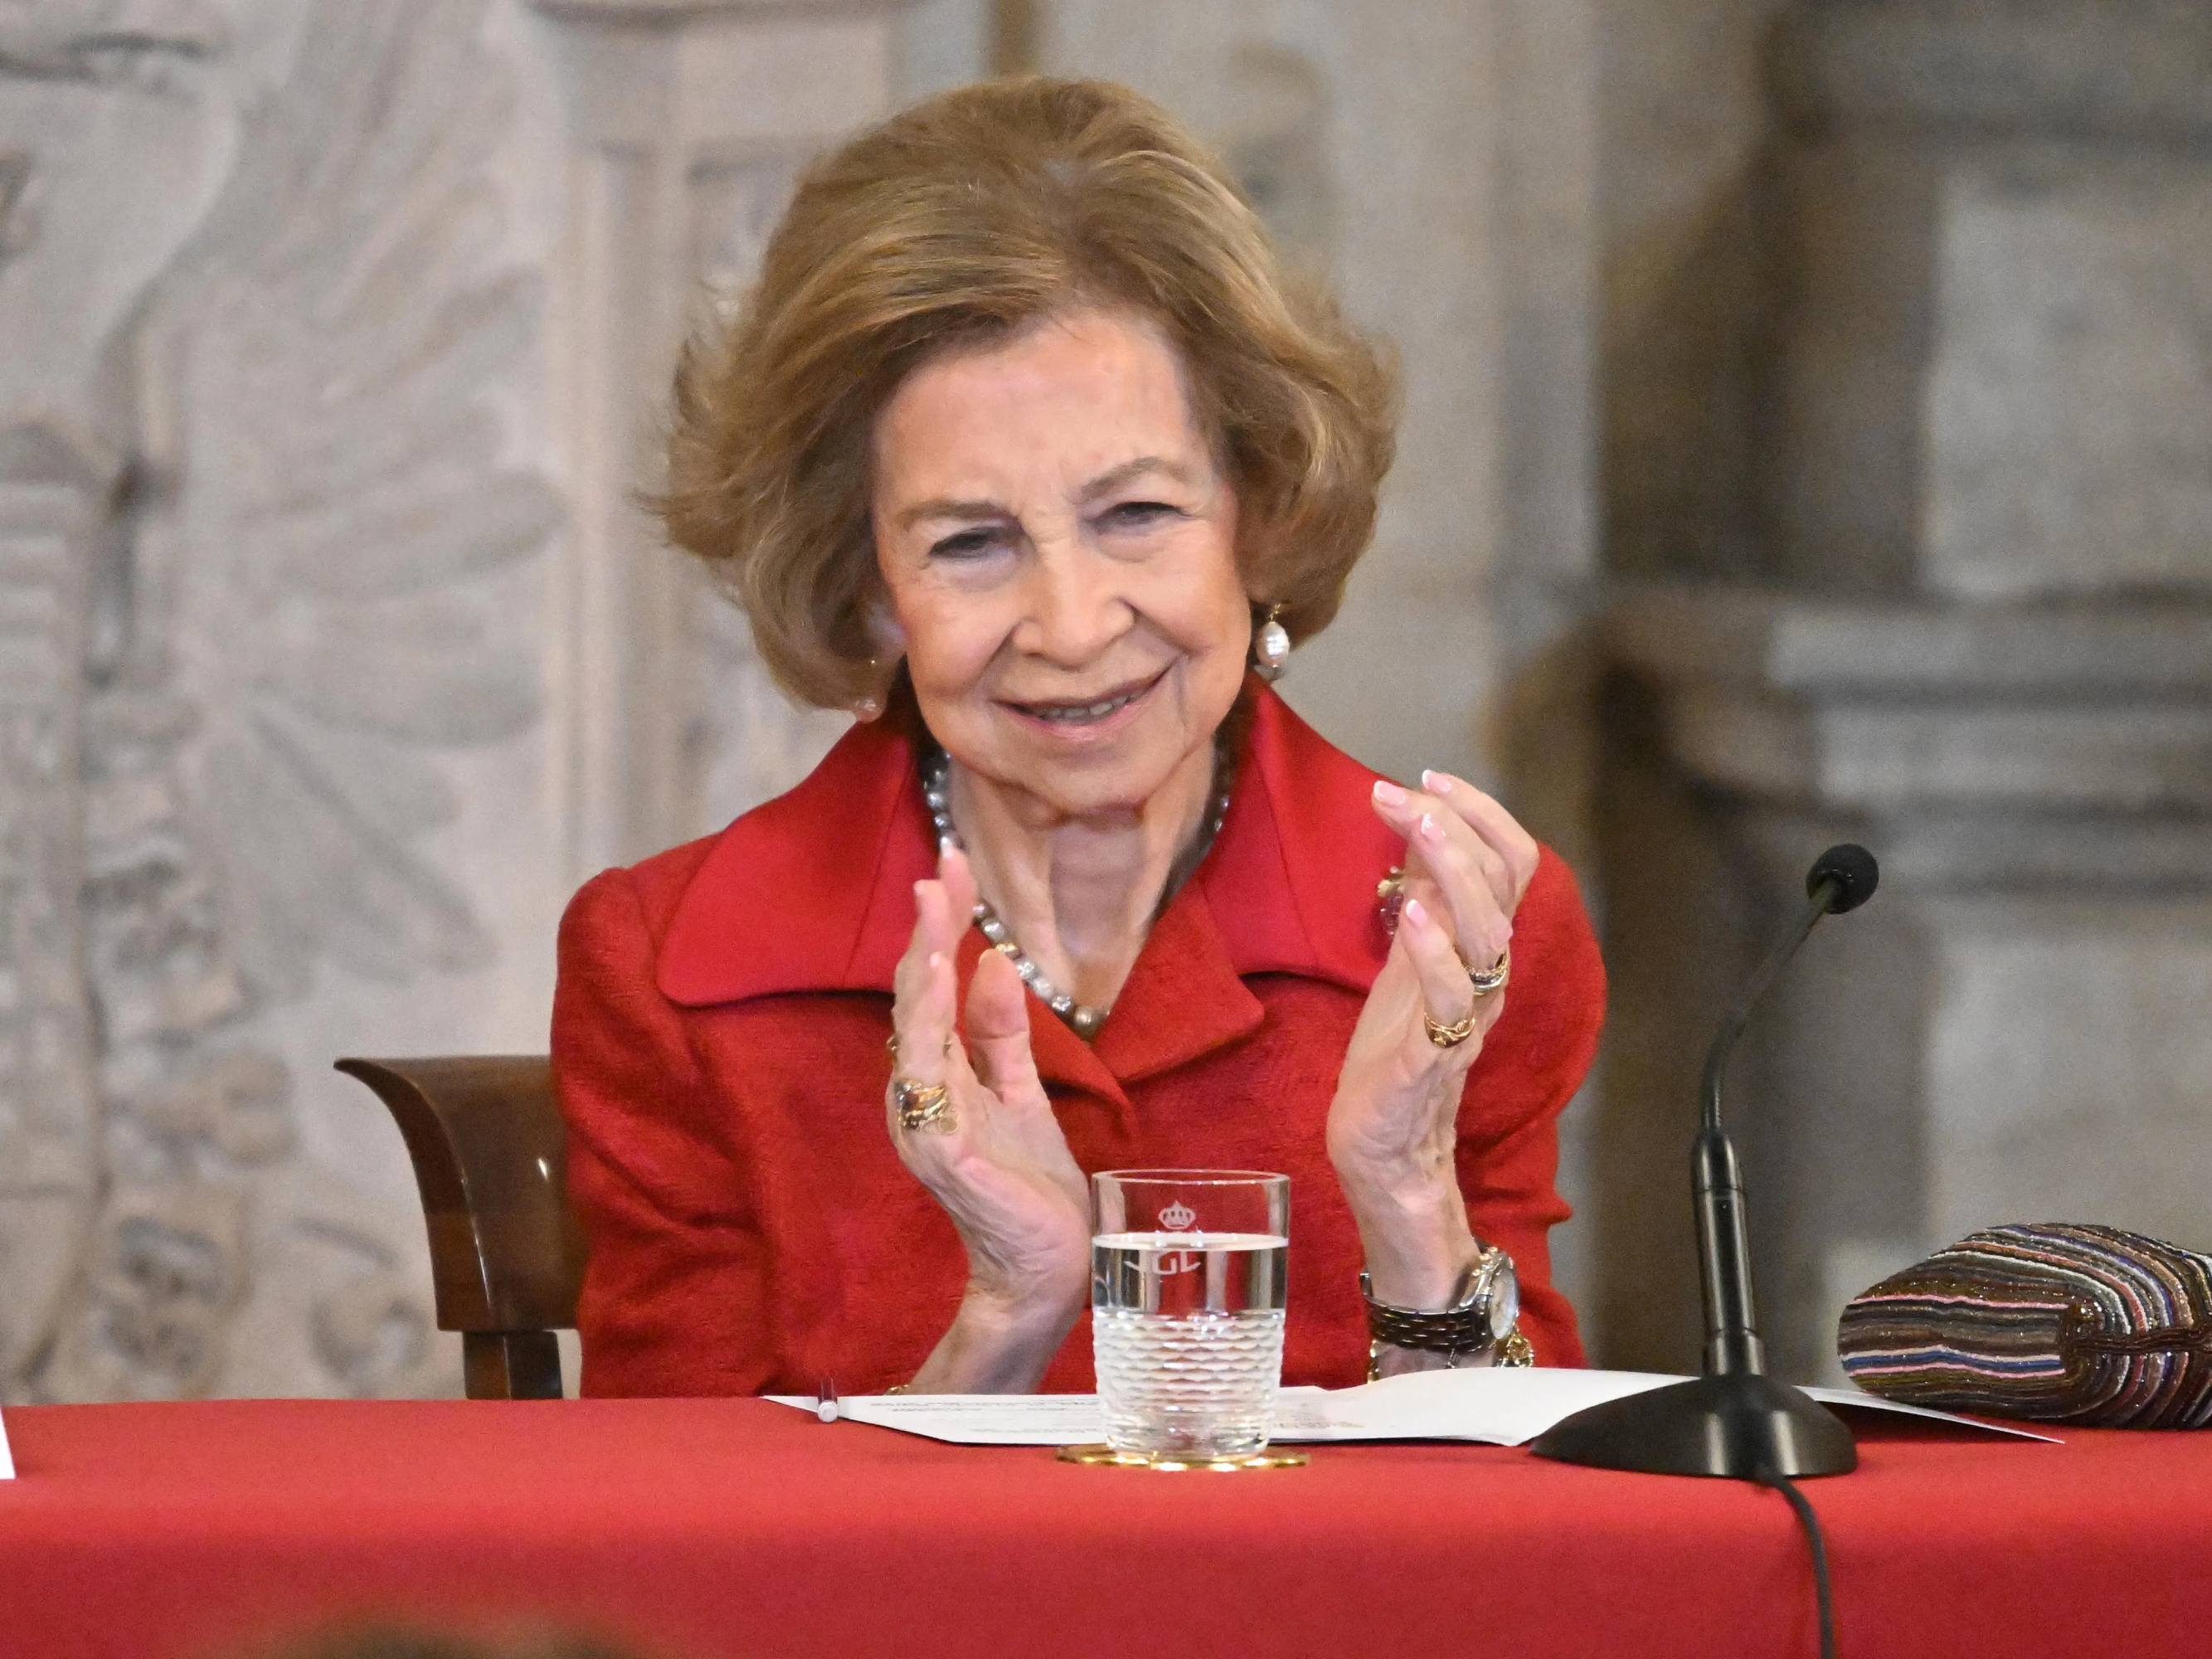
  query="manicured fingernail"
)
[
  {"x": 1417, "y": 910},
  {"x": 1389, "y": 793},
  {"x": 1429, "y": 829},
  {"x": 1436, "y": 783}
]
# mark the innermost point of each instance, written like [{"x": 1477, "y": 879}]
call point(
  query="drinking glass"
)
[{"x": 1187, "y": 1279}]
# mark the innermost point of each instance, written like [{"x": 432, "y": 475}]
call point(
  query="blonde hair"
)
[{"x": 958, "y": 222}]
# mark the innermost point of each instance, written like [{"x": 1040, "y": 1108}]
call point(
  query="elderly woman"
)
[{"x": 1025, "y": 451}]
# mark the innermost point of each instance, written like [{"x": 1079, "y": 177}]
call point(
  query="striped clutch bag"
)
[{"x": 2056, "y": 1322}]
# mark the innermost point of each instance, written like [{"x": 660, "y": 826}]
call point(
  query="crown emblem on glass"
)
[{"x": 1177, "y": 1217}]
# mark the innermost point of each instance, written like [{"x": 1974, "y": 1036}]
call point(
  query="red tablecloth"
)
[{"x": 713, "y": 1528}]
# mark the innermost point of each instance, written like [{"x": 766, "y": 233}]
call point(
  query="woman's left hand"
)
[{"x": 1393, "y": 1127}]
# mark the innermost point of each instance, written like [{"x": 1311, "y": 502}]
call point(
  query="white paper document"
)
[{"x": 1500, "y": 1407}]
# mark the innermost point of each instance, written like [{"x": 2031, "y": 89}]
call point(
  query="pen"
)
[{"x": 825, "y": 1401}]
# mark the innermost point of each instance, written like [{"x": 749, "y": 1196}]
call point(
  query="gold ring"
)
[
  {"x": 1493, "y": 977},
  {"x": 1390, "y": 898},
  {"x": 891, "y": 1045},
  {"x": 1449, "y": 1037},
  {"x": 923, "y": 1106}
]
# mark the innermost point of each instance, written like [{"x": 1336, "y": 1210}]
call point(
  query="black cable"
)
[{"x": 1811, "y": 1522}]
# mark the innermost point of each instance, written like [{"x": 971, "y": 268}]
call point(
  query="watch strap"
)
[{"x": 1462, "y": 1328}]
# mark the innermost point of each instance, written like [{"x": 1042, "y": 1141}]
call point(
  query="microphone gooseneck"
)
[
  {"x": 1733, "y": 1421},
  {"x": 1842, "y": 879},
  {"x": 1739, "y": 1016}
]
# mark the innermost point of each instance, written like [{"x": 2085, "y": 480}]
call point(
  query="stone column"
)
[
  {"x": 1985, "y": 475},
  {"x": 688, "y": 120}
]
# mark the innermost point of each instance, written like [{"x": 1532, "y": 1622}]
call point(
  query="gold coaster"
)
[{"x": 1120, "y": 1460}]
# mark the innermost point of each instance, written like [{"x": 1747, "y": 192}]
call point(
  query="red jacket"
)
[{"x": 717, "y": 1041}]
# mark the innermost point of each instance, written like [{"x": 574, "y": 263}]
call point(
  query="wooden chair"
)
[{"x": 506, "y": 1257}]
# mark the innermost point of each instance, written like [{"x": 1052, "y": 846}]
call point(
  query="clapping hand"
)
[
  {"x": 1392, "y": 1125},
  {"x": 990, "y": 1150}
]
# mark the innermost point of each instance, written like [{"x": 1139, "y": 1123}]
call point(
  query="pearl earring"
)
[
  {"x": 868, "y": 707},
  {"x": 1271, "y": 647}
]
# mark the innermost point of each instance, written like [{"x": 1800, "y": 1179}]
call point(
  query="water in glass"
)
[{"x": 1187, "y": 1313}]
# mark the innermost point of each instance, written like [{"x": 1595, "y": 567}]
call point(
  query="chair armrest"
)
[{"x": 485, "y": 1135}]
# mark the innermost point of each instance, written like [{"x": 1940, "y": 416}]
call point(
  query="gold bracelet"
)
[{"x": 1516, "y": 1353}]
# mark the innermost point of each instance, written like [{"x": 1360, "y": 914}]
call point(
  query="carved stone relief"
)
[
  {"x": 306, "y": 568},
  {"x": 79, "y": 239},
  {"x": 48, "y": 1103},
  {"x": 304, "y": 738}
]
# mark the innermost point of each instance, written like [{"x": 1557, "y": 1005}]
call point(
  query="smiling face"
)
[{"x": 1059, "y": 550}]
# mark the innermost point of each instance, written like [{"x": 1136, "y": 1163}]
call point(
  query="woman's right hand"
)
[{"x": 996, "y": 1160}]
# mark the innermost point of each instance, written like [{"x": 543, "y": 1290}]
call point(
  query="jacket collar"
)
[{"x": 814, "y": 891}]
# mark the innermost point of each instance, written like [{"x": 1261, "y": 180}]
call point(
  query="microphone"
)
[
  {"x": 1849, "y": 872},
  {"x": 1734, "y": 1421}
]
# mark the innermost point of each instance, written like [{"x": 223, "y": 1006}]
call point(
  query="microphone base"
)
[{"x": 1738, "y": 1426}]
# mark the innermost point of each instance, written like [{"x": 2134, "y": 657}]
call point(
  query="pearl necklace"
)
[{"x": 1083, "y": 1018}]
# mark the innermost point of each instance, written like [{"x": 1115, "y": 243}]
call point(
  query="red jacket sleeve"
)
[
  {"x": 669, "y": 1304},
  {"x": 1532, "y": 1063}
]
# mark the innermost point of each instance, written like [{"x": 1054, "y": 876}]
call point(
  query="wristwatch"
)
[{"x": 1483, "y": 1318}]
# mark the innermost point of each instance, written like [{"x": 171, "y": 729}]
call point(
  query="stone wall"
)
[
  {"x": 1977, "y": 485},
  {"x": 333, "y": 653}
]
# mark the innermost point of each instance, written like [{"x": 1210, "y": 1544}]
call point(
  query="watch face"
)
[{"x": 1505, "y": 1302}]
